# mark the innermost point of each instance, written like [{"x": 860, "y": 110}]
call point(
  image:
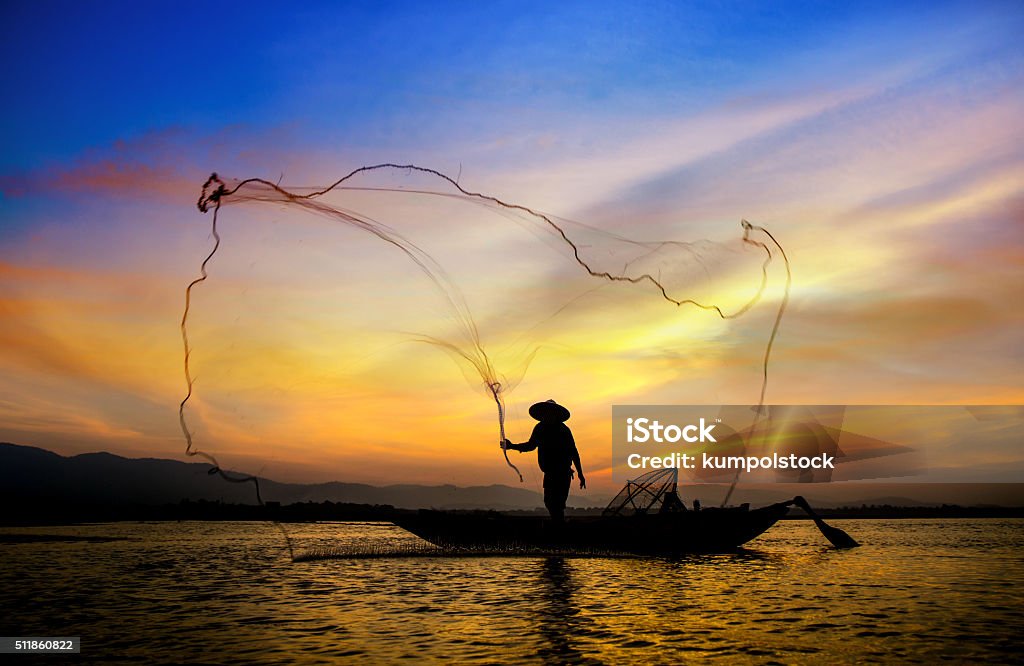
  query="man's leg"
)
[{"x": 556, "y": 493}]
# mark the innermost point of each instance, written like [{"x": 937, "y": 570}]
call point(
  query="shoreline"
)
[{"x": 327, "y": 512}]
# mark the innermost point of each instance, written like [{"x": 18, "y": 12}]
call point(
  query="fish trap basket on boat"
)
[{"x": 651, "y": 493}]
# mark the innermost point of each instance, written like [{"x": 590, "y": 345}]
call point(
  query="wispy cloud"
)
[{"x": 890, "y": 170}]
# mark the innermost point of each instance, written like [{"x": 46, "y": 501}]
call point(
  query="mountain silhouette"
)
[{"x": 37, "y": 474}]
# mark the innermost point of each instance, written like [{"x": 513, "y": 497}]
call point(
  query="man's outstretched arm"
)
[{"x": 524, "y": 447}]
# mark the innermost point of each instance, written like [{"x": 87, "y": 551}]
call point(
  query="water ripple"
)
[{"x": 919, "y": 591}]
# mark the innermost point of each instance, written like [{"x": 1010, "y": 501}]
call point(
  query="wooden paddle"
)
[{"x": 839, "y": 538}]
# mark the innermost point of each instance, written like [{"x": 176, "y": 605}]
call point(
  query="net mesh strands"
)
[
  {"x": 644, "y": 494},
  {"x": 666, "y": 269}
]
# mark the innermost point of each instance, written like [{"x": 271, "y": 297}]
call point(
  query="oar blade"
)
[{"x": 838, "y": 537}]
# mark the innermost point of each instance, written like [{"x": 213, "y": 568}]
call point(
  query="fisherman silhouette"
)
[{"x": 556, "y": 453}]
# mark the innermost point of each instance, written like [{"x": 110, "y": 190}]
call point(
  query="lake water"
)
[{"x": 917, "y": 590}]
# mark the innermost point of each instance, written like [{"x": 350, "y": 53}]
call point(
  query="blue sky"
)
[
  {"x": 881, "y": 142},
  {"x": 85, "y": 75}
]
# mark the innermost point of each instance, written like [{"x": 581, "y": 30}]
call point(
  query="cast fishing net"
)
[{"x": 453, "y": 237}]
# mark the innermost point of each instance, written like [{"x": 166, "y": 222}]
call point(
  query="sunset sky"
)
[{"x": 881, "y": 143}]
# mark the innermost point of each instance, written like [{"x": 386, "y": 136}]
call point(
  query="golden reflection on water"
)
[{"x": 217, "y": 592}]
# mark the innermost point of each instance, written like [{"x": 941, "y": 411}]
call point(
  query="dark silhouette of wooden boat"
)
[
  {"x": 660, "y": 533},
  {"x": 645, "y": 518}
]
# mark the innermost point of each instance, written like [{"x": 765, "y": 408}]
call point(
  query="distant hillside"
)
[
  {"x": 28, "y": 473},
  {"x": 32, "y": 473}
]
